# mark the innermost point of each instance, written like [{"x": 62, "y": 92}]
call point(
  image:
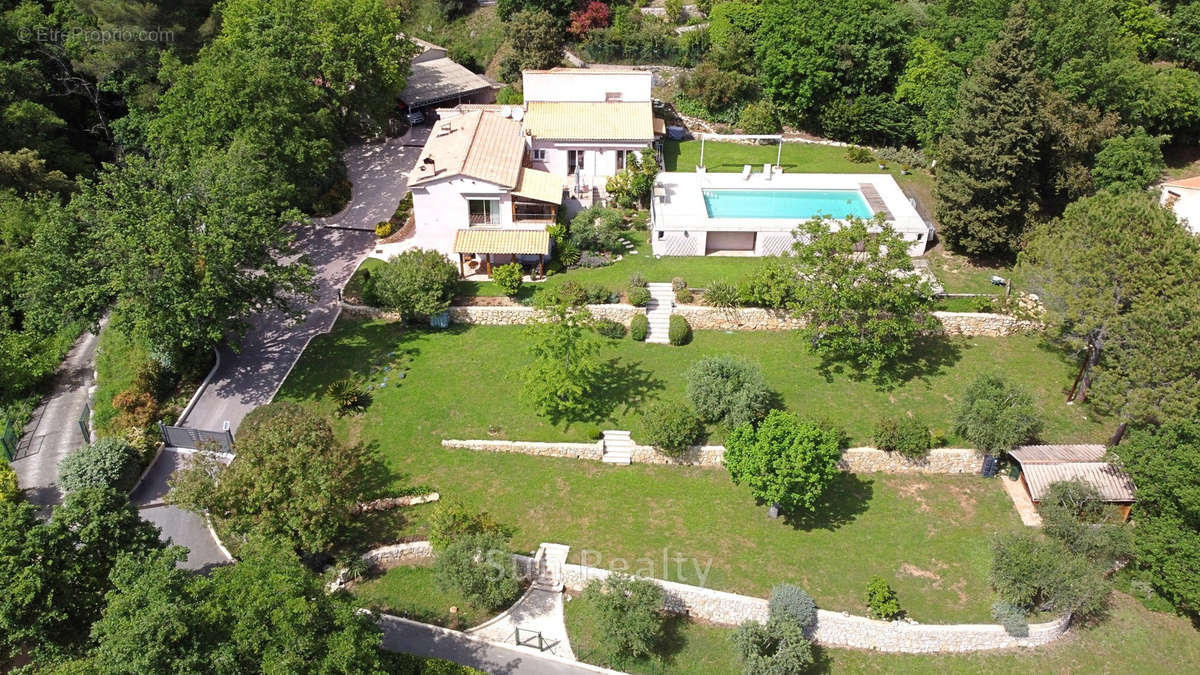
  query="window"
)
[
  {"x": 484, "y": 211},
  {"x": 574, "y": 162},
  {"x": 622, "y": 158},
  {"x": 612, "y": 96},
  {"x": 539, "y": 154}
]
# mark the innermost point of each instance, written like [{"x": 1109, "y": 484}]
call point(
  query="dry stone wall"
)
[
  {"x": 568, "y": 450},
  {"x": 700, "y": 317},
  {"x": 940, "y": 460}
]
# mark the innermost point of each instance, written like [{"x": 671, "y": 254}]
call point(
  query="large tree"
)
[
  {"x": 1117, "y": 274},
  {"x": 562, "y": 381},
  {"x": 537, "y": 38},
  {"x": 291, "y": 480},
  {"x": 785, "y": 461},
  {"x": 988, "y": 176},
  {"x": 1164, "y": 463},
  {"x": 54, "y": 575},
  {"x": 861, "y": 303}
]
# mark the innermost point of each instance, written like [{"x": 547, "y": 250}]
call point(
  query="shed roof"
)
[
  {"x": 588, "y": 120},
  {"x": 540, "y": 185},
  {"x": 481, "y": 240},
  {"x": 1049, "y": 454},
  {"x": 480, "y": 144},
  {"x": 438, "y": 80},
  {"x": 1113, "y": 484}
]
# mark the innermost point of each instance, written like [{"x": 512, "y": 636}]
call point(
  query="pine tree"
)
[{"x": 988, "y": 177}]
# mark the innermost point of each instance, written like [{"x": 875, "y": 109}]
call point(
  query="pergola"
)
[
  {"x": 778, "y": 138},
  {"x": 487, "y": 242}
]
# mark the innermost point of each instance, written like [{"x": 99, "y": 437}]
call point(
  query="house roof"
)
[
  {"x": 1051, "y": 454},
  {"x": 485, "y": 240},
  {"x": 1192, "y": 183},
  {"x": 540, "y": 185},
  {"x": 600, "y": 121},
  {"x": 479, "y": 144},
  {"x": 1113, "y": 484},
  {"x": 439, "y": 80}
]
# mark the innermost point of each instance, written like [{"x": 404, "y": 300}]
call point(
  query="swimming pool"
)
[{"x": 800, "y": 204}]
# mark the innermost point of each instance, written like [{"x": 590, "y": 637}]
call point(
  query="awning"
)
[
  {"x": 540, "y": 185},
  {"x": 1113, "y": 484},
  {"x": 512, "y": 242}
]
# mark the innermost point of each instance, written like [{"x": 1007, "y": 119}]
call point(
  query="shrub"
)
[
  {"x": 593, "y": 433},
  {"x": 383, "y": 228},
  {"x": 670, "y": 426},
  {"x": 903, "y": 156},
  {"x": 636, "y": 280},
  {"x": 721, "y": 294},
  {"x": 982, "y": 304},
  {"x": 334, "y": 199},
  {"x": 684, "y": 296},
  {"x": 451, "y": 520},
  {"x": 728, "y": 390},
  {"x": 107, "y": 463},
  {"x": 509, "y": 278},
  {"x": 774, "y": 283},
  {"x": 882, "y": 602},
  {"x": 629, "y": 614},
  {"x": 794, "y": 603},
  {"x": 347, "y": 395},
  {"x": 598, "y": 228},
  {"x": 759, "y": 118},
  {"x": 136, "y": 409},
  {"x": 859, "y": 155},
  {"x": 557, "y": 232},
  {"x": 905, "y": 435},
  {"x": 678, "y": 331},
  {"x": 784, "y": 461},
  {"x": 779, "y": 646},
  {"x": 597, "y": 294},
  {"x": 568, "y": 253},
  {"x": 996, "y": 415},
  {"x": 639, "y": 297},
  {"x": 481, "y": 568},
  {"x": 1013, "y": 618},
  {"x": 572, "y": 292},
  {"x": 417, "y": 282},
  {"x": 678, "y": 284},
  {"x": 509, "y": 96},
  {"x": 638, "y": 327},
  {"x": 610, "y": 329},
  {"x": 10, "y": 490},
  {"x": 1074, "y": 513},
  {"x": 1040, "y": 574}
]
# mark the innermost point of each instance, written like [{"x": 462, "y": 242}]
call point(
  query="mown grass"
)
[
  {"x": 411, "y": 591},
  {"x": 929, "y": 535}
]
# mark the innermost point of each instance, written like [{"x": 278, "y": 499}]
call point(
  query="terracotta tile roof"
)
[
  {"x": 1193, "y": 182},
  {"x": 566, "y": 121},
  {"x": 540, "y": 185},
  {"x": 485, "y": 240},
  {"x": 1113, "y": 484},
  {"x": 479, "y": 144},
  {"x": 1053, "y": 454}
]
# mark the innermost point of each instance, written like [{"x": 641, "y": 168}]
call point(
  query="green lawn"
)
[
  {"x": 926, "y": 534},
  {"x": 1131, "y": 640},
  {"x": 960, "y": 274},
  {"x": 410, "y": 591}
]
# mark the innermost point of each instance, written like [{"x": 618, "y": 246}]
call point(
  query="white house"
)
[{"x": 1183, "y": 197}]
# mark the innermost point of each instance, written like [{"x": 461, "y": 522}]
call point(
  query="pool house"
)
[{"x": 754, "y": 213}]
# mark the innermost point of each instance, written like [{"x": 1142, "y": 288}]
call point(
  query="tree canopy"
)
[
  {"x": 564, "y": 377},
  {"x": 785, "y": 461}
]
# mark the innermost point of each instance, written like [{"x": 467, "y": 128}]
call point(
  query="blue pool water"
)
[{"x": 800, "y": 204}]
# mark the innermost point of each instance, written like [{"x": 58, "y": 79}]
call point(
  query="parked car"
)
[{"x": 416, "y": 117}]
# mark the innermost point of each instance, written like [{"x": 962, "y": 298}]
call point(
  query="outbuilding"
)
[{"x": 1043, "y": 465}]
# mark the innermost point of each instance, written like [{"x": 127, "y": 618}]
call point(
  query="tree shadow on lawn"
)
[
  {"x": 624, "y": 387},
  {"x": 930, "y": 356},
  {"x": 847, "y": 497}
]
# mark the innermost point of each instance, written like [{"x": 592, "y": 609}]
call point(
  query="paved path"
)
[
  {"x": 537, "y": 610},
  {"x": 54, "y": 431},
  {"x": 1021, "y": 502},
  {"x": 403, "y": 635}
]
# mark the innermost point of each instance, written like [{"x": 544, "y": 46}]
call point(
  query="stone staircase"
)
[
  {"x": 658, "y": 312},
  {"x": 618, "y": 448},
  {"x": 550, "y": 559}
]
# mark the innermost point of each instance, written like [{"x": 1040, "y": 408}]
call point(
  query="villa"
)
[
  {"x": 1183, "y": 197},
  {"x": 491, "y": 178},
  {"x": 755, "y": 213}
]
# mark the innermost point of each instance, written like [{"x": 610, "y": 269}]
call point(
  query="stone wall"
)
[
  {"x": 855, "y": 460},
  {"x": 388, "y": 503},
  {"x": 399, "y": 553},
  {"x": 701, "y": 317}
]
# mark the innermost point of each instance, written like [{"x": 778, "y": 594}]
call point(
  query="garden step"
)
[
  {"x": 618, "y": 447},
  {"x": 658, "y": 312}
]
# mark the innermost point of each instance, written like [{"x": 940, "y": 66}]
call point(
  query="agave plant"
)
[
  {"x": 568, "y": 254},
  {"x": 347, "y": 394}
]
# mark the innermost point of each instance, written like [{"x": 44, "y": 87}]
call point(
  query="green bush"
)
[
  {"x": 636, "y": 280},
  {"x": 759, "y": 118},
  {"x": 568, "y": 254},
  {"x": 906, "y": 435},
  {"x": 678, "y": 284},
  {"x": 593, "y": 433},
  {"x": 996, "y": 415},
  {"x": 451, "y": 520},
  {"x": 1014, "y": 619},
  {"x": 598, "y": 228},
  {"x": 347, "y": 395},
  {"x": 10, "y": 490},
  {"x": 638, "y": 327},
  {"x": 629, "y": 614},
  {"x": 794, "y": 603},
  {"x": 774, "y": 283},
  {"x": 670, "y": 426},
  {"x": 1039, "y": 573},
  {"x": 509, "y": 96},
  {"x": 107, "y": 463},
  {"x": 509, "y": 278},
  {"x": 610, "y": 329},
  {"x": 383, "y": 229},
  {"x": 334, "y": 199},
  {"x": 684, "y": 296},
  {"x": 1074, "y": 513},
  {"x": 728, "y": 390},
  {"x": 678, "y": 331},
  {"x": 779, "y": 646},
  {"x": 597, "y": 294},
  {"x": 481, "y": 568},
  {"x": 721, "y": 294},
  {"x": 417, "y": 282},
  {"x": 882, "y": 602},
  {"x": 639, "y": 297},
  {"x": 859, "y": 155},
  {"x": 572, "y": 292}
]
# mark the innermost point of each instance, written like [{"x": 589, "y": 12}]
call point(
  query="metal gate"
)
[
  {"x": 197, "y": 439},
  {"x": 8, "y": 442},
  {"x": 85, "y": 419}
]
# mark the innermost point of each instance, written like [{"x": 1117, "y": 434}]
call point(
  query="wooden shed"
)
[{"x": 1044, "y": 465}]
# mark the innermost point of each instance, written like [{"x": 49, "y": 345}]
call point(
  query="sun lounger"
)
[
  {"x": 767, "y": 170},
  {"x": 746, "y": 172}
]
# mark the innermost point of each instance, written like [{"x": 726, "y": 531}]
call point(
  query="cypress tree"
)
[{"x": 988, "y": 178}]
